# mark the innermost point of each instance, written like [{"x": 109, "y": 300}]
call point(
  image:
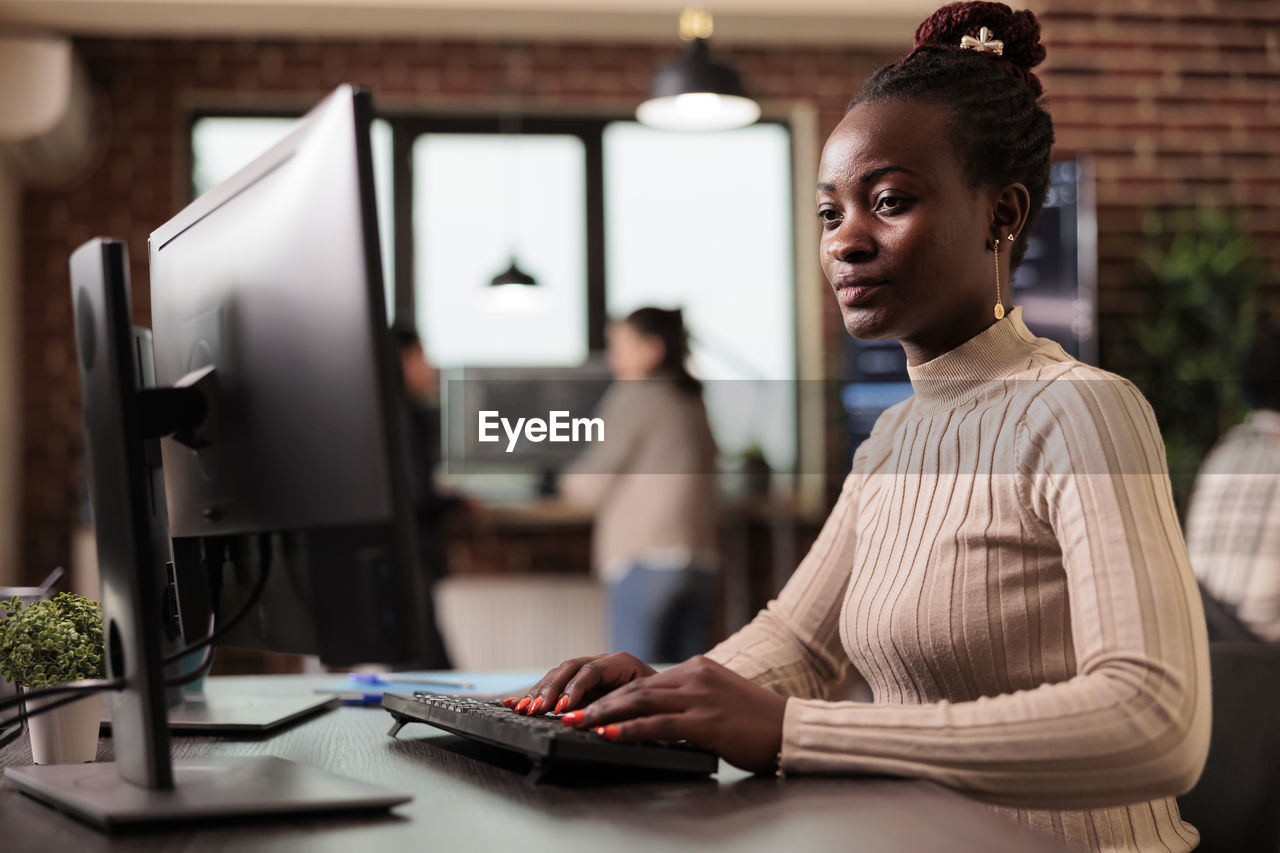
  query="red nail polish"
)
[
  {"x": 533, "y": 709},
  {"x": 610, "y": 732},
  {"x": 564, "y": 700},
  {"x": 573, "y": 718},
  {"x": 507, "y": 703},
  {"x": 524, "y": 703}
]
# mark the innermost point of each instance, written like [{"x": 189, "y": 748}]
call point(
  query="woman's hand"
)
[
  {"x": 699, "y": 701},
  {"x": 580, "y": 680}
]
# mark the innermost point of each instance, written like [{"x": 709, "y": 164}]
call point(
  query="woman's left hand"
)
[{"x": 699, "y": 701}]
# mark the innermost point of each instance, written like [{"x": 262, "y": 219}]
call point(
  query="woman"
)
[
  {"x": 1004, "y": 565},
  {"x": 651, "y": 483}
]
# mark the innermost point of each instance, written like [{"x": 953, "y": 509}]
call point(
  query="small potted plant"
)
[{"x": 53, "y": 642}]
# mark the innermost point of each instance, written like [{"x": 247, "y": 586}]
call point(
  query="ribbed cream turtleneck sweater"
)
[{"x": 1004, "y": 568}]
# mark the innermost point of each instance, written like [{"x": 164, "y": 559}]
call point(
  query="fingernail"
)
[
  {"x": 573, "y": 718},
  {"x": 609, "y": 732},
  {"x": 533, "y": 709},
  {"x": 524, "y": 703},
  {"x": 564, "y": 700},
  {"x": 507, "y": 703}
]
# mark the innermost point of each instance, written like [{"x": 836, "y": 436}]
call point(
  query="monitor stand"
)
[
  {"x": 209, "y": 789},
  {"x": 144, "y": 785}
]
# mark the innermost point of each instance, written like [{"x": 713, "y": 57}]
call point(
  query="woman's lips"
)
[{"x": 855, "y": 293}]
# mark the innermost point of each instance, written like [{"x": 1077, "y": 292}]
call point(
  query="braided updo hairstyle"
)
[{"x": 998, "y": 126}]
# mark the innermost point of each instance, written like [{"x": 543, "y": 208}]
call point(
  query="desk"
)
[{"x": 463, "y": 803}]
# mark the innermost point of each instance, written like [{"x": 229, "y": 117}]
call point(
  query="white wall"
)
[{"x": 10, "y": 378}]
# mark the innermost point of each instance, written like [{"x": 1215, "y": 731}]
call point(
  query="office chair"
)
[
  {"x": 1236, "y": 803},
  {"x": 1223, "y": 624}
]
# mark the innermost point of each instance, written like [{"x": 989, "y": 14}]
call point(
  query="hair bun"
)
[{"x": 1020, "y": 32}]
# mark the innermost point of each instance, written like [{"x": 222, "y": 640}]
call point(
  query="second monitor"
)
[{"x": 274, "y": 279}]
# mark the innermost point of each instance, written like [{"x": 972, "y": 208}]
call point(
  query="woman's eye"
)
[
  {"x": 828, "y": 216},
  {"x": 892, "y": 203}
]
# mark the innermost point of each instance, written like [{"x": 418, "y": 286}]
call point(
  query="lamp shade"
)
[
  {"x": 513, "y": 275},
  {"x": 697, "y": 93}
]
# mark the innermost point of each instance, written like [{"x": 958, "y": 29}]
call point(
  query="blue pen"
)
[
  {"x": 394, "y": 678},
  {"x": 362, "y": 699}
]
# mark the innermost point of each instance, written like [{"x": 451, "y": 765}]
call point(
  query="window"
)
[
  {"x": 481, "y": 202},
  {"x": 684, "y": 229}
]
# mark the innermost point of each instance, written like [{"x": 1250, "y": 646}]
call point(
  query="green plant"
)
[
  {"x": 53, "y": 641},
  {"x": 1201, "y": 278}
]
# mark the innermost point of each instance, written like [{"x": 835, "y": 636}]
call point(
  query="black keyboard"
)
[{"x": 547, "y": 742}]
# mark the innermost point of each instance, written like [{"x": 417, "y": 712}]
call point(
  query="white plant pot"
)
[{"x": 66, "y": 735}]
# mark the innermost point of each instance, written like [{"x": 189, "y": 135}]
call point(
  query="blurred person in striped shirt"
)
[{"x": 1233, "y": 526}]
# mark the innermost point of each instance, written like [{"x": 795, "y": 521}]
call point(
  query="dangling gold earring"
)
[{"x": 995, "y": 253}]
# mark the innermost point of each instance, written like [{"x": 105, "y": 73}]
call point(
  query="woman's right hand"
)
[{"x": 579, "y": 681}]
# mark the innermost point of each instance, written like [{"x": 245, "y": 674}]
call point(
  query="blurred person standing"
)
[
  {"x": 652, "y": 486},
  {"x": 1233, "y": 525}
]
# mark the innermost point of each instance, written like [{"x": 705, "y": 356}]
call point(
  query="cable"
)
[
  {"x": 75, "y": 687},
  {"x": 209, "y": 640},
  {"x": 196, "y": 674},
  {"x": 98, "y": 685},
  {"x": 88, "y": 685},
  {"x": 26, "y": 713}
]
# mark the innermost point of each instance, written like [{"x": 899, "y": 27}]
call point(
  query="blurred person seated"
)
[
  {"x": 652, "y": 486},
  {"x": 420, "y": 411},
  {"x": 1233, "y": 525}
]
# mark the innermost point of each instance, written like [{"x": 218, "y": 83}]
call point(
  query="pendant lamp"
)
[
  {"x": 513, "y": 275},
  {"x": 695, "y": 92}
]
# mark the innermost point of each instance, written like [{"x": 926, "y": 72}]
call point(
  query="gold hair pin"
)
[{"x": 984, "y": 43}]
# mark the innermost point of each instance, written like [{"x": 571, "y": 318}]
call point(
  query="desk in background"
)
[
  {"x": 464, "y": 803},
  {"x": 762, "y": 540}
]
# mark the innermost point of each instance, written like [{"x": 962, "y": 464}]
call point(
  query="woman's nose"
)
[{"x": 851, "y": 241}]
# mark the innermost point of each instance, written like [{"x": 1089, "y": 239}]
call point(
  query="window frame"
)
[{"x": 406, "y": 128}]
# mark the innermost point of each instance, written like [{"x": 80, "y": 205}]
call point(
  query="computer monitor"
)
[
  {"x": 276, "y": 376},
  {"x": 274, "y": 278}
]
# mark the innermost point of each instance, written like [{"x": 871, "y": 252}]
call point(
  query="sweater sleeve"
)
[
  {"x": 793, "y": 645},
  {"x": 1132, "y": 724}
]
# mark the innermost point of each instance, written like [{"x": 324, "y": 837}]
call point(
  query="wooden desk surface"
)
[{"x": 466, "y": 797}]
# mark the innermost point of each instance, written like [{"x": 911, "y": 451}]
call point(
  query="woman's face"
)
[
  {"x": 905, "y": 241},
  {"x": 630, "y": 354}
]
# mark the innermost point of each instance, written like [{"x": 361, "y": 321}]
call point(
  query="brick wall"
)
[{"x": 1177, "y": 103}]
